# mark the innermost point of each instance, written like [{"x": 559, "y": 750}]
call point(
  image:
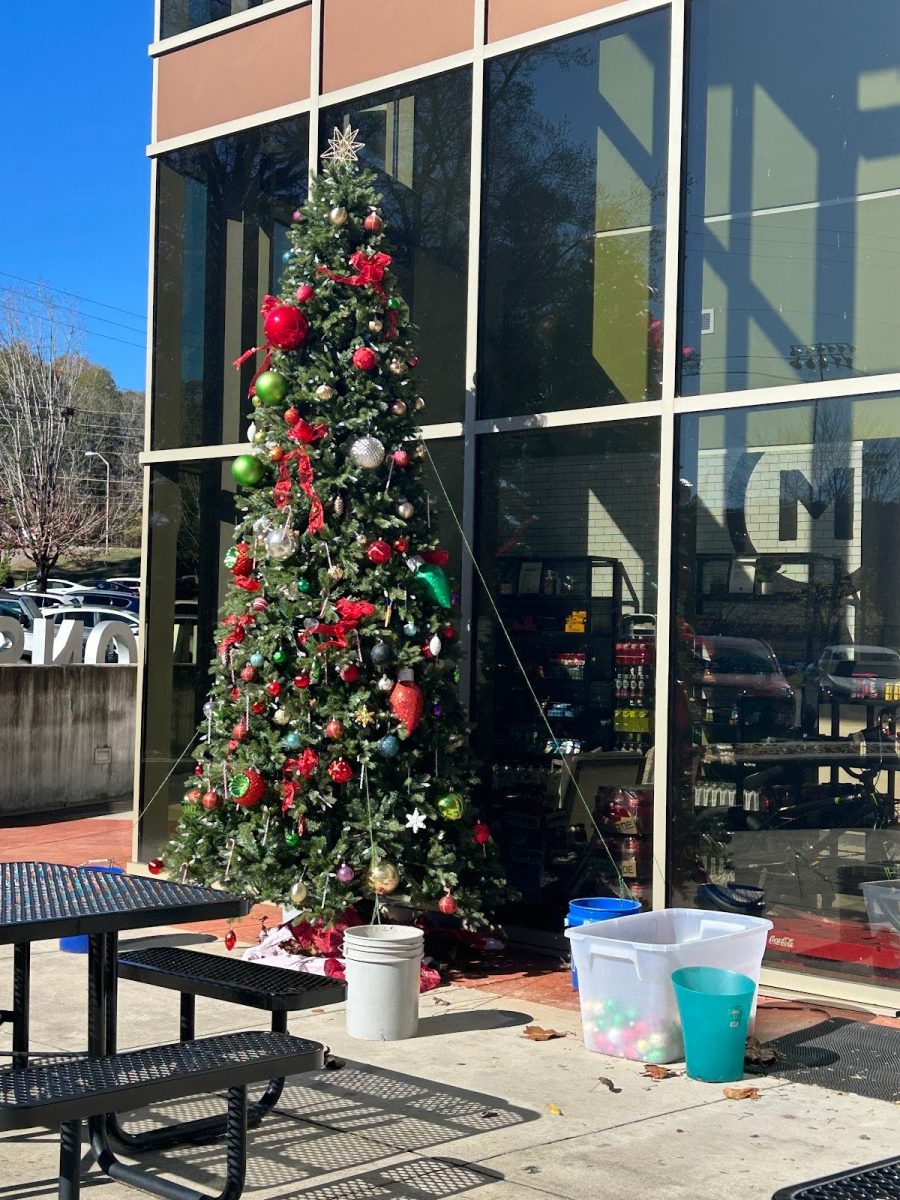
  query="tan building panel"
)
[
  {"x": 251, "y": 69},
  {"x": 364, "y": 41},
  {"x": 506, "y": 18}
]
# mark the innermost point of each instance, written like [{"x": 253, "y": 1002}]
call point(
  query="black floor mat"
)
[{"x": 846, "y": 1056}]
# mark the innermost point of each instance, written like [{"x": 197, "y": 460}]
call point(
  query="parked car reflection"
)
[
  {"x": 742, "y": 689},
  {"x": 851, "y": 673}
]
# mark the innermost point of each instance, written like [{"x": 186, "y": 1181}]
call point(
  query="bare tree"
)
[{"x": 48, "y": 505}]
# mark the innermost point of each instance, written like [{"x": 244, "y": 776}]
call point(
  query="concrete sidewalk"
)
[{"x": 468, "y": 1108}]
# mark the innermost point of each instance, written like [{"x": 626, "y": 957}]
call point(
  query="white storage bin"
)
[{"x": 625, "y": 966}]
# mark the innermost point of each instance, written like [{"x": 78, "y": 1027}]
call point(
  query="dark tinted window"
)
[{"x": 180, "y": 15}]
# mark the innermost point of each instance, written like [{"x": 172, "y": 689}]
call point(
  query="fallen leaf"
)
[
  {"x": 556, "y": 1112},
  {"x": 490, "y": 1113},
  {"x": 652, "y": 1071},
  {"x": 317, "y": 1010},
  {"x": 609, "y": 1083},
  {"x": 756, "y": 1052},
  {"x": 744, "y": 1093},
  {"x": 535, "y": 1033},
  {"x": 439, "y": 1003}
]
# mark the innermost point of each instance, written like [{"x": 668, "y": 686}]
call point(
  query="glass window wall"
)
[
  {"x": 573, "y": 209},
  {"x": 223, "y": 212},
  {"x": 418, "y": 141},
  {"x": 566, "y": 658},
  {"x": 786, "y": 684},
  {"x": 792, "y": 258},
  {"x": 180, "y": 15}
]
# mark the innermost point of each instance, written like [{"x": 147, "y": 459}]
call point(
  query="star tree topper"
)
[{"x": 342, "y": 147}]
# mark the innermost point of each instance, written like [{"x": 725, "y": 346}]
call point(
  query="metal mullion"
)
[
  {"x": 213, "y": 29},
  {"x": 473, "y": 284},
  {"x": 662, "y": 781},
  {"x": 315, "y": 87},
  {"x": 579, "y": 24},
  {"x": 791, "y": 393},
  {"x": 138, "y": 771},
  {"x": 569, "y": 416}
]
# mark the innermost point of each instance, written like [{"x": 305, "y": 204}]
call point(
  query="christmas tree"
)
[{"x": 333, "y": 766}]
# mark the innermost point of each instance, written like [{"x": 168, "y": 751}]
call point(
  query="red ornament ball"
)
[
  {"x": 373, "y": 223},
  {"x": 401, "y": 545},
  {"x": 365, "y": 359},
  {"x": 243, "y": 559},
  {"x": 230, "y": 939},
  {"x": 305, "y": 292},
  {"x": 414, "y": 361},
  {"x": 198, "y": 769},
  {"x": 340, "y": 770},
  {"x": 233, "y": 745},
  {"x": 449, "y": 633},
  {"x": 285, "y": 327},
  {"x": 155, "y": 866},
  {"x": 259, "y": 604},
  {"x": 247, "y": 788},
  {"x": 235, "y": 693},
  {"x": 211, "y": 800},
  {"x": 193, "y": 796},
  {"x": 400, "y": 458},
  {"x": 239, "y": 733},
  {"x": 334, "y": 729},
  {"x": 379, "y": 552},
  {"x": 291, "y": 416},
  {"x": 480, "y": 833},
  {"x": 273, "y": 688},
  {"x": 427, "y": 652},
  {"x": 301, "y": 681},
  {"x": 350, "y": 673},
  {"x": 248, "y": 673},
  {"x": 257, "y": 708},
  {"x": 447, "y": 905}
]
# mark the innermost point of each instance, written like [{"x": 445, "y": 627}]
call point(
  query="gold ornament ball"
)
[
  {"x": 383, "y": 878},
  {"x": 420, "y": 450},
  {"x": 338, "y": 215},
  {"x": 419, "y": 404},
  {"x": 397, "y": 366},
  {"x": 335, "y": 572},
  {"x": 258, "y": 438},
  {"x": 298, "y": 893},
  {"x": 280, "y": 716},
  {"x": 451, "y": 807},
  {"x": 324, "y": 391},
  {"x": 399, "y": 409},
  {"x": 405, "y": 510},
  {"x": 375, "y": 326}
]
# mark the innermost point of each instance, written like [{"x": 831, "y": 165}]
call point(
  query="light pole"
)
[{"x": 96, "y": 454}]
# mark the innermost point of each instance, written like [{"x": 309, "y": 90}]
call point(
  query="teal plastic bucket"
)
[
  {"x": 714, "y": 1006},
  {"x": 79, "y": 943},
  {"x": 589, "y": 909}
]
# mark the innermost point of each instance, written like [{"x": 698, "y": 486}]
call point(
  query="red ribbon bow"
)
[
  {"x": 351, "y": 613},
  {"x": 269, "y": 302},
  {"x": 282, "y": 489},
  {"x": 238, "y": 626},
  {"x": 302, "y": 431},
  {"x": 369, "y": 269},
  {"x": 304, "y": 766}
]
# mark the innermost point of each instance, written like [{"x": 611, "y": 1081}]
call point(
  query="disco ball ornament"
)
[
  {"x": 281, "y": 542},
  {"x": 271, "y": 387},
  {"x": 383, "y": 878},
  {"x": 389, "y": 746},
  {"x": 344, "y": 873},
  {"x": 298, "y": 893},
  {"x": 366, "y": 452},
  {"x": 280, "y": 716},
  {"x": 405, "y": 510}
]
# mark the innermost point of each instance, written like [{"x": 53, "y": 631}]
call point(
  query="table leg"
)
[
  {"x": 21, "y": 993},
  {"x": 102, "y": 981}
]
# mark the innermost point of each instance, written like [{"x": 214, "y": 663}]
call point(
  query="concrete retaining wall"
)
[{"x": 66, "y": 736}]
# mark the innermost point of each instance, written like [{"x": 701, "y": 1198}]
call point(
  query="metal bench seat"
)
[
  {"x": 879, "y": 1181},
  {"x": 66, "y": 1093}
]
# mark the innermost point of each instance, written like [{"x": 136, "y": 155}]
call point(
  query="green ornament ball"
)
[
  {"x": 271, "y": 387},
  {"x": 303, "y": 585},
  {"x": 291, "y": 840},
  {"x": 395, "y": 303},
  {"x": 279, "y": 657},
  {"x": 451, "y": 807},
  {"x": 247, "y": 470}
]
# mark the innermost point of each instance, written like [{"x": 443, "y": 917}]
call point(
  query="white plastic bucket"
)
[
  {"x": 382, "y": 964},
  {"x": 628, "y": 1005}
]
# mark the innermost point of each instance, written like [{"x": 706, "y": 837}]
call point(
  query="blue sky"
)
[{"x": 74, "y": 201}]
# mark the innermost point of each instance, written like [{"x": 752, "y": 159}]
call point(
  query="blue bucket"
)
[
  {"x": 79, "y": 943},
  {"x": 597, "y": 908}
]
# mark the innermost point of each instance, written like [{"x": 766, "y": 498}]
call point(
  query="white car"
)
[
  {"x": 126, "y": 581},
  {"x": 23, "y": 609},
  {"x": 45, "y": 599},
  {"x": 53, "y": 585},
  {"x": 91, "y": 616}
]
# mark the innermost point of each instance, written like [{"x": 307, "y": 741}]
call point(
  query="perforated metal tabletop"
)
[{"x": 47, "y": 900}]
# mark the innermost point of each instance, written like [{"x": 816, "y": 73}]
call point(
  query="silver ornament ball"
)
[
  {"x": 324, "y": 391},
  {"x": 298, "y": 893},
  {"x": 397, "y": 366},
  {"x": 281, "y": 542},
  {"x": 419, "y": 403},
  {"x": 367, "y": 452},
  {"x": 399, "y": 408},
  {"x": 280, "y": 716},
  {"x": 405, "y": 510},
  {"x": 338, "y": 215},
  {"x": 375, "y": 326},
  {"x": 385, "y": 684}
]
